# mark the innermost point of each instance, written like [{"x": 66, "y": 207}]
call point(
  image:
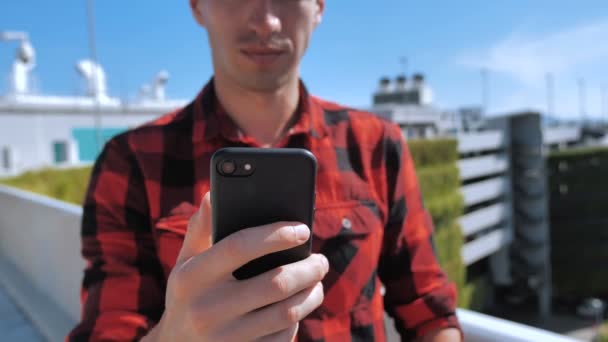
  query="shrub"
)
[
  {"x": 64, "y": 184},
  {"x": 433, "y": 152}
]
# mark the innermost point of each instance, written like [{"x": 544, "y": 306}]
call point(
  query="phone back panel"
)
[{"x": 281, "y": 188}]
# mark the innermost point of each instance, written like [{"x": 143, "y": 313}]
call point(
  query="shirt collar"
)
[{"x": 211, "y": 120}]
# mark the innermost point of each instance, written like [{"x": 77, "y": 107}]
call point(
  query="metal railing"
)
[{"x": 41, "y": 269}]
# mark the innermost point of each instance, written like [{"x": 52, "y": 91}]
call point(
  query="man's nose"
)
[{"x": 265, "y": 20}]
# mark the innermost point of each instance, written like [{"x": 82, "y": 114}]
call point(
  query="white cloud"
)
[
  {"x": 528, "y": 58},
  {"x": 566, "y": 102},
  {"x": 580, "y": 51}
]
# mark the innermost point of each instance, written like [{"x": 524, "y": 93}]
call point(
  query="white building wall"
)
[{"x": 30, "y": 136}]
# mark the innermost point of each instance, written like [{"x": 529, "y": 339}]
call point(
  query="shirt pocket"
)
[
  {"x": 170, "y": 232},
  {"x": 349, "y": 234}
]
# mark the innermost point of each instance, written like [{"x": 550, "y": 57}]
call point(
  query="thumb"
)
[{"x": 198, "y": 235}]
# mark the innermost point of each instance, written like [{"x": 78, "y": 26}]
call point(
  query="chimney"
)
[
  {"x": 144, "y": 92},
  {"x": 159, "y": 84},
  {"x": 95, "y": 77},
  {"x": 418, "y": 81},
  {"x": 25, "y": 61},
  {"x": 385, "y": 85},
  {"x": 401, "y": 83}
]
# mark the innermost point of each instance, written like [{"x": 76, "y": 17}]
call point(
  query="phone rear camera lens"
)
[{"x": 228, "y": 167}]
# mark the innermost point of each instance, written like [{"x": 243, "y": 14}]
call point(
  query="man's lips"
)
[
  {"x": 261, "y": 50},
  {"x": 262, "y": 56}
]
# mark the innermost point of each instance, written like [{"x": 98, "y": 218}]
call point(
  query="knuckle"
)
[
  {"x": 292, "y": 315},
  {"x": 281, "y": 284}
]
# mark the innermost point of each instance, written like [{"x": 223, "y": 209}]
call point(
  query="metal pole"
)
[
  {"x": 582, "y": 100},
  {"x": 603, "y": 103},
  {"x": 550, "y": 95},
  {"x": 485, "y": 91},
  {"x": 93, "y": 53},
  {"x": 403, "y": 61}
]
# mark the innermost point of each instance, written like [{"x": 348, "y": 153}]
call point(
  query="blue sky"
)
[{"x": 518, "y": 41}]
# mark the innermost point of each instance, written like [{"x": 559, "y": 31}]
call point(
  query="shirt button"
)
[{"x": 346, "y": 223}]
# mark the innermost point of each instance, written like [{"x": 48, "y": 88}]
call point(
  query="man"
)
[{"x": 152, "y": 272}]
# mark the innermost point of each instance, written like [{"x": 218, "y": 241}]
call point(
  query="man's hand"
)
[
  {"x": 205, "y": 303},
  {"x": 442, "y": 335}
]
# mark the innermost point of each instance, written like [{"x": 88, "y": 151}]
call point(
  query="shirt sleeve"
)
[
  {"x": 122, "y": 292},
  {"x": 418, "y": 294}
]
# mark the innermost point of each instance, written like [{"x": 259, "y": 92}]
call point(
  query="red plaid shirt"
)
[{"x": 370, "y": 222}]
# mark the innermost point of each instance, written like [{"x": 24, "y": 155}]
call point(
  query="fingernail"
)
[{"x": 302, "y": 232}]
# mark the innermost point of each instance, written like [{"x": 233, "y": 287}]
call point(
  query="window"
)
[{"x": 60, "y": 152}]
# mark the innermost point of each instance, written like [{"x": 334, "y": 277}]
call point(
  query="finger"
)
[
  {"x": 288, "y": 334},
  {"x": 279, "y": 316},
  {"x": 237, "y": 249},
  {"x": 274, "y": 286},
  {"x": 198, "y": 234}
]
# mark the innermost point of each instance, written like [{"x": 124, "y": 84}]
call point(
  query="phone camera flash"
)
[{"x": 247, "y": 167}]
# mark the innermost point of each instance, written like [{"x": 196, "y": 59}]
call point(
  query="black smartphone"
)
[{"x": 251, "y": 187}]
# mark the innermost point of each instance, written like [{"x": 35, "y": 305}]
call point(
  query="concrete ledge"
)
[
  {"x": 481, "y": 328},
  {"x": 46, "y": 315},
  {"x": 14, "y": 325}
]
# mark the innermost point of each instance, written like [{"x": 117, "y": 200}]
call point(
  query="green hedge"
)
[
  {"x": 66, "y": 184},
  {"x": 579, "y": 221},
  {"x": 448, "y": 243},
  {"x": 577, "y": 154},
  {"x": 603, "y": 333},
  {"x": 433, "y": 152},
  {"x": 450, "y": 238},
  {"x": 566, "y": 232},
  {"x": 445, "y": 209},
  {"x": 595, "y": 183},
  {"x": 581, "y": 205},
  {"x": 574, "y": 283},
  {"x": 474, "y": 294},
  {"x": 439, "y": 180}
]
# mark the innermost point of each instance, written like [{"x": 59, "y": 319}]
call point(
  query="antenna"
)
[
  {"x": 404, "y": 64},
  {"x": 582, "y": 99},
  {"x": 485, "y": 91},
  {"x": 93, "y": 56},
  {"x": 550, "y": 95},
  {"x": 603, "y": 102}
]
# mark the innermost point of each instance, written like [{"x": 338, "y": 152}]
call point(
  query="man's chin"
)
[{"x": 265, "y": 83}]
